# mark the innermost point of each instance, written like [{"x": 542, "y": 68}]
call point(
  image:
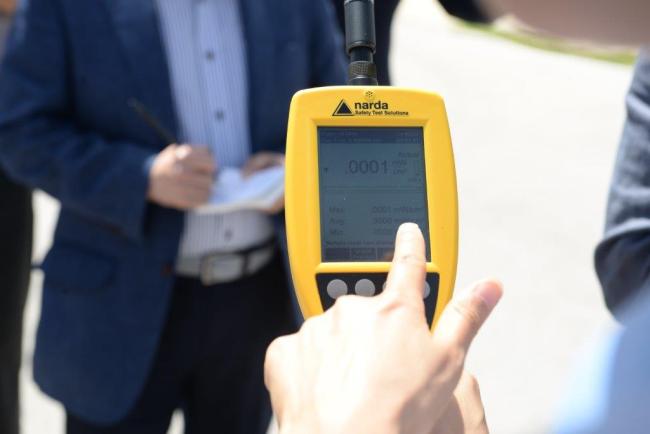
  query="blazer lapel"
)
[{"x": 137, "y": 27}]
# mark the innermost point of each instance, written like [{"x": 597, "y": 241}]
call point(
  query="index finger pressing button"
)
[{"x": 408, "y": 271}]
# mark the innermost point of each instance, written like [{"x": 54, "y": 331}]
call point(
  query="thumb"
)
[{"x": 463, "y": 317}]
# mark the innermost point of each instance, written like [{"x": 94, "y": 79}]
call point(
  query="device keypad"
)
[
  {"x": 334, "y": 285},
  {"x": 365, "y": 288},
  {"x": 336, "y": 288}
]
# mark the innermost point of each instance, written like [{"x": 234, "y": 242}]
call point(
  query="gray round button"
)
[
  {"x": 337, "y": 288},
  {"x": 365, "y": 288},
  {"x": 427, "y": 290}
]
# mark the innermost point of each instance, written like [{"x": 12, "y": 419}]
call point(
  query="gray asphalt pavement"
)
[{"x": 535, "y": 135}]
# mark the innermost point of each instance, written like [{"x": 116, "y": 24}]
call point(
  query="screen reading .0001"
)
[{"x": 371, "y": 180}]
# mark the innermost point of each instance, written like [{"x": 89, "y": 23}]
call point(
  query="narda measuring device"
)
[{"x": 361, "y": 160}]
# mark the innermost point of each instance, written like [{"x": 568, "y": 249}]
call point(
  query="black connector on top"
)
[{"x": 360, "y": 41}]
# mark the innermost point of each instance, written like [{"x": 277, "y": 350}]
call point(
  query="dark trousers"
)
[
  {"x": 15, "y": 265},
  {"x": 210, "y": 359},
  {"x": 384, "y": 11}
]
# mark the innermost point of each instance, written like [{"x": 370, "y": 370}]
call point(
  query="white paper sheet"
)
[{"x": 232, "y": 192}]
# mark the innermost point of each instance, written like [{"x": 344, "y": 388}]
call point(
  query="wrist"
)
[
  {"x": 299, "y": 427},
  {"x": 358, "y": 426}
]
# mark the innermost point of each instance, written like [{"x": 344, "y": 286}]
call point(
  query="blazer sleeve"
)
[
  {"x": 622, "y": 258},
  {"x": 329, "y": 63},
  {"x": 40, "y": 144}
]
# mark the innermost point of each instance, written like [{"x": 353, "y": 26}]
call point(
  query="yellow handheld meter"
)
[{"x": 361, "y": 160}]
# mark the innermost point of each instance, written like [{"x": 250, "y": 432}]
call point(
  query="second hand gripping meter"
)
[{"x": 361, "y": 160}]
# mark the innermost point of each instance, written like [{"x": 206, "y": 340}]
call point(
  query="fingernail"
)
[
  {"x": 490, "y": 292},
  {"x": 408, "y": 227}
]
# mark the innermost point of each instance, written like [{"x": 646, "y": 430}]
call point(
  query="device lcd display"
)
[{"x": 371, "y": 180}]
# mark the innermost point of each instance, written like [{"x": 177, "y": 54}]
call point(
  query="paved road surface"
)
[{"x": 535, "y": 135}]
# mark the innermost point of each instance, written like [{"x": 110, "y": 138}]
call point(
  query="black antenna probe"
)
[{"x": 360, "y": 42}]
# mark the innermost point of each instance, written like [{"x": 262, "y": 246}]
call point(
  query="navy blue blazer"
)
[{"x": 65, "y": 127}]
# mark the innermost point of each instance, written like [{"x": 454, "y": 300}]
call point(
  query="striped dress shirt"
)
[{"x": 206, "y": 55}]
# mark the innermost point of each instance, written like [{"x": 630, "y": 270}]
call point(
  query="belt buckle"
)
[{"x": 221, "y": 268}]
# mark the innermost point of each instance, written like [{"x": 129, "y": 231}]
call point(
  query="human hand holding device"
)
[
  {"x": 371, "y": 365},
  {"x": 181, "y": 176},
  {"x": 261, "y": 161}
]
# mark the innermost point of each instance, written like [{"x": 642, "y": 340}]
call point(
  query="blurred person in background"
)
[
  {"x": 622, "y": 257},
  {"x": 15, "y": 266},
  {"x": 147, "y": 305}
]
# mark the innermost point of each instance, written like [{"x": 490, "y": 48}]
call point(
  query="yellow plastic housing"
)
[{"x": 370, "y": 106}]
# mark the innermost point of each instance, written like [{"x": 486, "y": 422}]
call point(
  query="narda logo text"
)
[{"x": 372, "y": 106}]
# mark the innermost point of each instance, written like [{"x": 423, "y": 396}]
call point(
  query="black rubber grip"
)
[{"x": 362, "y": 68}]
